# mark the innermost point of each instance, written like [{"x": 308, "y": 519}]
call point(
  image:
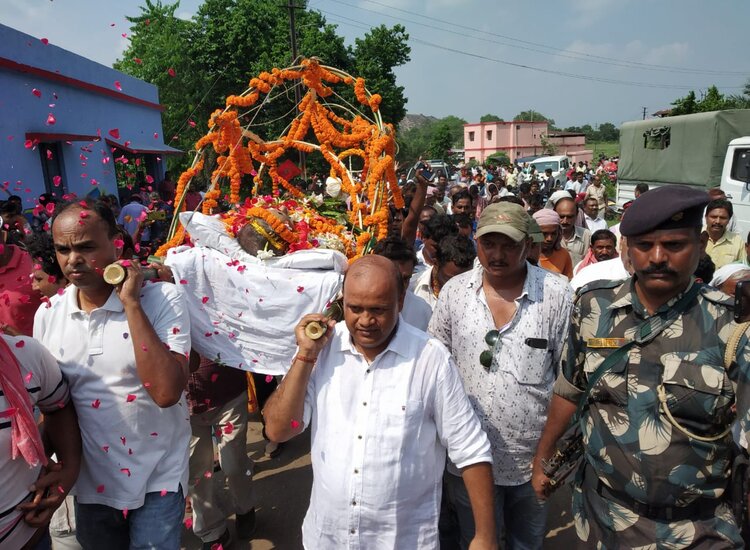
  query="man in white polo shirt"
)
[{"x": 124, "y": 353}]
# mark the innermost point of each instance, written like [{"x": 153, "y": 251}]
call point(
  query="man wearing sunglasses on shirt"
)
[{"x": 505, "y": 322}]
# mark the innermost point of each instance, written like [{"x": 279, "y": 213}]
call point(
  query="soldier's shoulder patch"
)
[
  {"x": 717, "y": 296},
  {"x": 600, "y": 285}
]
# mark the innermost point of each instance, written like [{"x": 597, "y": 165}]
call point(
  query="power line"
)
[
  {"x": 555, "y": 51},
  {"x": 590, "y": 78}
]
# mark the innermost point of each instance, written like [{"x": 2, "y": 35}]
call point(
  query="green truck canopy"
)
[{"x": 687, "y": 149}]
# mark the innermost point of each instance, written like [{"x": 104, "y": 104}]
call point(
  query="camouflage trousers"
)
[{"x": 605, "y": 524}]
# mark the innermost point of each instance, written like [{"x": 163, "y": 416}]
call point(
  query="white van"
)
[
  {"x": 735, "y": 182},
  {"x": 560, "y": 164}
]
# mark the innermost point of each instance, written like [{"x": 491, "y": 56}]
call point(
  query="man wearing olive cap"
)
[
  {"x": 504, "y": 323},
  {"x": 655, "y": 421}
]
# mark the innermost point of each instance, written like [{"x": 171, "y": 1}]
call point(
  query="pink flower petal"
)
[
  {"x": 96, "y": 403},
  {"x": 295, "y": 424},
  {"x": 51, "y": 119},
  {"x": 269, "y": 379},
  {"x": 188, "y": 523},
  {"x": 125, "y": 471},
  {"x": 170, "y": 72},
  {"x": 37, "y": 93},
  {"x": 100, "y": 489},
  {"x": 44, "y": 41},
  {"x": 300, "y": 289},
  {"x": 204, "y": 299},
  {"x": 56, "y": 181},
  {"x": 118, "y": 85},
  {"x": 115, "y": 133},
  {"x": 130, "y": 398},
  {"x": 20, "y": 344},
  {"x": 137, "y": 60}
]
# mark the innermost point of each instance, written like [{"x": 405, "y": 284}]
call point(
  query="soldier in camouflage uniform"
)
[{"x": 644, "y": 482}]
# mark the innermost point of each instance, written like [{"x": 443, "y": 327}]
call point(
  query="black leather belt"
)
[{"x": 700, "y": 508}]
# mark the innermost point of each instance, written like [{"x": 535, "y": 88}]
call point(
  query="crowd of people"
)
[{"x": 500, "y": 312}]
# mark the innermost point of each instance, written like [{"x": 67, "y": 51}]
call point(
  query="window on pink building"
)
[
  {"x": 489, "y": 134},
  {"x": 471, "y": 136}
]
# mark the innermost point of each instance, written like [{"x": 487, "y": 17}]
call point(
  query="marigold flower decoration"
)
[{"x": 320, "y": 125}]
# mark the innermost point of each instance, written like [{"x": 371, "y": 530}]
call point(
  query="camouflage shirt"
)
[{"x": 629, "y": 443}]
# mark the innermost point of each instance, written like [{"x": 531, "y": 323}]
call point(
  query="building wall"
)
[
  {"x": 83, "y": 118},
  {"x": 515, "y": 139}
]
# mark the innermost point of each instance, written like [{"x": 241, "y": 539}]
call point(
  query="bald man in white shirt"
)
[{"x": 384, "y": 402}]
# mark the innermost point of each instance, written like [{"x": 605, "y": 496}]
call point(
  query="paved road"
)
[{"x": 282, "y": 488}]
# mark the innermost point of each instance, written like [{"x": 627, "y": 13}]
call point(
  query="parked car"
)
[
  {"x": 560, "y": 164},
  {"x": 439, "y": 167}
]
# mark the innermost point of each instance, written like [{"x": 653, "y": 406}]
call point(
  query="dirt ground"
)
[{"x": 283, "y": 487}]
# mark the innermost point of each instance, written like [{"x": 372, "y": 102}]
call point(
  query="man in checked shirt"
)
[{"x": 504, "y": 323}]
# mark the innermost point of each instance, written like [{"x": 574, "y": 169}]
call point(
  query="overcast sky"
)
[{"x": 577, "y": 61}]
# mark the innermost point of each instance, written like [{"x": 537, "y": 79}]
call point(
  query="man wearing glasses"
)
[{"x": 505, "y": 322}]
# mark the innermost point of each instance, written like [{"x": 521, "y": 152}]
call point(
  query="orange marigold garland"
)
[{"x": 240, "y": 152}]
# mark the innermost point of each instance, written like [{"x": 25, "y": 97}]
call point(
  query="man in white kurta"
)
[{"x": 384, "y": 402}]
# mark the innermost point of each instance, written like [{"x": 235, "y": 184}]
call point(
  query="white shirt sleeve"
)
[
  {"x": 440, "y": 322},
  {"x": 171, "y": 321},
  {"x": 457, "y": 424}
]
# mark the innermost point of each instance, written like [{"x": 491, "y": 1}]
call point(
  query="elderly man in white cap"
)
[{"x": 575, "y": 236}]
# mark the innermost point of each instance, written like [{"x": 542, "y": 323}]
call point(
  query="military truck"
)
[{"x": 701, "y": 150}]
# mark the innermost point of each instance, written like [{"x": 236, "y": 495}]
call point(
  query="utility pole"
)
[
  {"x": 297, "y": 96},
  {"x": 644, "y": 112}
]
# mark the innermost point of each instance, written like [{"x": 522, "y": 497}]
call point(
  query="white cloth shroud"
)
[{"x": 243, "y": 311}]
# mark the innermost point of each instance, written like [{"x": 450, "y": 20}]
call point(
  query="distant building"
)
[
  {"x": 66, "y": 122},
  {"x": 519, "y": 139}
]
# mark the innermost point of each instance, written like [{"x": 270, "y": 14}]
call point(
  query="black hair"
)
[
  {"x": 8, "y": 209},
  {"x": 393, "y": 211},
  {"x": 705, "y": 268},
  {"x": 438, "y": 227},
  {"x": 641, "y": 188},
  {"x": 136, "y": 197},
  {"x": 100, "y": 208},
  {"x": 720, "y": 203},
  {"x": 603, "y": 235},
  {"x": 128, "y": 247},
  {"x": 15, "y": 198},
  {"x": 513, "y": 199},
  {"x": 395, "y": 249},
  {"x": 524, "y": 188},
  {"x": 457, "y": 249},
  {"x": 463, "y": 194},
  {"x": 426, "y": 207},
  {"x": 41, "y": 249},
  {"x": 462, "y": 220},
  {"x": 537, "y": 199}
]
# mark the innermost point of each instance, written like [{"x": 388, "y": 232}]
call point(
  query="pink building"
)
[
  {"x": 519, "y": 139},
  {"x": 572, "y": 144},
  {"x": 515, "y": 139}
]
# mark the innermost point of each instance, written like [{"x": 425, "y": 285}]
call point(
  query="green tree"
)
[
  {"x": 608, "y": 132},
  {"x": 375, "y": 55},
  {"x": 441, "y": 142},
  {"x": 416, "y": 142},
  {"x": 227, "y": 42},
  {"x": 685, "y": 105},
  {"x": 713, "y": 101},
  {"x": 490, "y": 118},
  {"x": 532, "y": 116},
  {"x": 159, "y": 48}
]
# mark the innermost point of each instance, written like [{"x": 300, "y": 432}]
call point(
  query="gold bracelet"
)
[{"x": 305, "y": 359}]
